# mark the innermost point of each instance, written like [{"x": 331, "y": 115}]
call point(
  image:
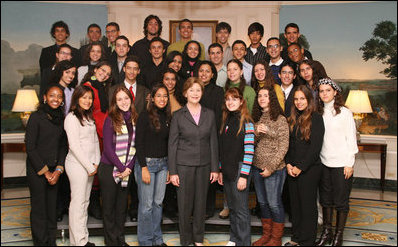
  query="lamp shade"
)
[
  {"x": 358, "y": 101},
  {"x": 25, "y": 101}
]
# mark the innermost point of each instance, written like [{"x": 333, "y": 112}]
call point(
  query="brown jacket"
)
[{"x": 272, "y": 146}]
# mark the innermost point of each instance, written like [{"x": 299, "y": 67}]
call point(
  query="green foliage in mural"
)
[{"x": 383, "y": 47}]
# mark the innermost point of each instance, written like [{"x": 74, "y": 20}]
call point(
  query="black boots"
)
[
  {"x": 340, "y": 224},
  {"x": 94, "y": 208},
  {"x": 327, "y": 233}
]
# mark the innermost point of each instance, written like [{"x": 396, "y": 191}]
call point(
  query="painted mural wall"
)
[
  {"x": 25, "y": 30},
  {"x": 335, "y": 33}
]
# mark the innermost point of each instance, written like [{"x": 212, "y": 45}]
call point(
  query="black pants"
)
[
  {"x": 334, "y": 189},
  {"x": 303, "y": 196},
  {"x": 170, "y": 199},
  {"x": 43, "y": 201},
  {"x": 194, "y": 182},
  {"x": 114, "y": 205},
  {"x": 63, "y": 198},
  {"x": 133, "y": 193}
]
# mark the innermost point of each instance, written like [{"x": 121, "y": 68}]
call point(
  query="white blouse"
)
[{"x": 339, "y": 142}]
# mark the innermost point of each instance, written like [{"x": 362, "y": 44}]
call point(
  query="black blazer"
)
[
  {"x": 191, "y": 144},
  {"x": 289, "y": 102},
  {"x": 140, "y": 97},
  {"x": 47, "y": 57},
  {"x": 305, "y": 154},
  {"x": 46, "y": 143}
]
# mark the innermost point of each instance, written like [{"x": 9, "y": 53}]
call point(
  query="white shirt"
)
[
  {"x": 287, "y": 91},
  {"x": 247, "y": 71},
  {"x": 279, "y": 62},
  {"x": 134, "y": 87},
  {"x": 339, "y": 141}
]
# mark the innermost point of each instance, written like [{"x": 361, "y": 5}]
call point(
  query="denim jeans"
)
[
  {"x": 269, "y": 194},
  {"x": 238, "y": 204},
  {"x": 150, "y": 198}
]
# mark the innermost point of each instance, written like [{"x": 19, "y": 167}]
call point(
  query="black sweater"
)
[
  {"x": 305, "y": 154},
  {"x": 148, "y": 142}
]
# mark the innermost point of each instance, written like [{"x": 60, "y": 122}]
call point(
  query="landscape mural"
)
[{"x": 334, "y": 32}]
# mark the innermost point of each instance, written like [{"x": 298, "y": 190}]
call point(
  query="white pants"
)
[{"x": 80, "y": 186}]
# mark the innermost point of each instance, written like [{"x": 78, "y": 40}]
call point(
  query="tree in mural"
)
[
  {"x": 302, "y": 40},
  {"x": 383, "y": 47}
]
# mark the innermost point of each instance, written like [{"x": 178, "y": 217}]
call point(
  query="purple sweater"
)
[{"x": 109, "y": 155}]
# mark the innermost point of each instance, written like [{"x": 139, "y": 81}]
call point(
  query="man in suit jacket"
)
[
  {"x": 118, "y": 58},
  {"x": 287, "y": 74},
  {"x": 60, "y": 32}
]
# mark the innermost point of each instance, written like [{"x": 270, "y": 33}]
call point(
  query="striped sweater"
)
[{"x": 236, "y": 148}]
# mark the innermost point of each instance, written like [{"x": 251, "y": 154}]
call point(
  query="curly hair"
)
[
  {"x": 148, "y": 19},
  {"x": 275, "y": 108},
  {"x": 86, "y": 56},
  {"x": 269, "y": 78}
]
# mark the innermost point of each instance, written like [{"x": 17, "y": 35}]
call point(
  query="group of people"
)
[{"x": 158, "y": 125}]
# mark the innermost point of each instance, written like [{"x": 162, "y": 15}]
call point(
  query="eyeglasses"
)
[
  {"x": 295, "y": 50},
  {"x": 273, "y": 46},
  {"x": 287, "y": 72}
]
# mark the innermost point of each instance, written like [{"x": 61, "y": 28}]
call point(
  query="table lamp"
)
[
  {"x": 25, "y": 102},
  {"x": 358, "y": 102}
]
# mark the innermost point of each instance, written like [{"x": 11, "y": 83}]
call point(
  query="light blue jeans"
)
[{"x": 150, "y": 201}]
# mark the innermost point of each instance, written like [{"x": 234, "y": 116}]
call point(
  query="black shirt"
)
[
  {"x": 213, "y": 98},
  {"x": 150, "y": 143},
  {"x": 152, "y": 73},
  {"x": 260, "y": 54},
  {"x": 141, "y": 49}
]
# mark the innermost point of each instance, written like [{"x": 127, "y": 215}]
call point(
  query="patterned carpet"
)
[{"x": 369, "y": 223}]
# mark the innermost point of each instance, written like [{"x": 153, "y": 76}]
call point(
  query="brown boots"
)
[
  {"x": 267, "y": 224},
  {"x": 272, "y": 233},
  {"x": 276, "y": 235}
]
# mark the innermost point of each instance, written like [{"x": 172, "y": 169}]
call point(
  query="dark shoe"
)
[
  {"x": 267, "y": 227},
  {"x": 327, "y": 233},
  {"x": 290, "y": 243},
  {"x": 209, "y": 215},
  {"x": 163, "y": 244},
  {"x": 340, "y": 224},
  {"x": 89, "y": 244},
  {"x": 171, "y": 215},
  {"x": 133, "y": 215},
  {"x": 125, "y": 244},
  {"x": 94, "y": 208},
  {"x": 60, "y": 216}
]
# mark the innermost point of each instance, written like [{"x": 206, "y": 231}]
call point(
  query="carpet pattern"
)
[{"x": 370, "y": 223}]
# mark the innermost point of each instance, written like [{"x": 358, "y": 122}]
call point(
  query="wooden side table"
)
[
  {"x": 380, "y": 148},
  {"x": 10, "y": 148}
]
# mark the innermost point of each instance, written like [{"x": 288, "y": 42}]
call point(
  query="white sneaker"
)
[{"x": 230, "y": 243}]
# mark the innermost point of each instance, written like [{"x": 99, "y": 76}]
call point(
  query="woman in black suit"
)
[
  {"x": 46, "y": 149},
  {"x": 193, "y": 159}
]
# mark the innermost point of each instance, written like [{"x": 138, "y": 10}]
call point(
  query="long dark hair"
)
[
  {"x": 90, "y": 73},
  {"x": 177, "y": 88},
  {"x": 170, "y": 58},
  {"x": 86, "y": 55},
  {"x": 275, "y": 108},
  {"x": 302, "y": 120},
  {"x": 116, "y": 114},
  {"x": 153, "y": 110},
  {"x": 59, "y": 69},
  {"x": 212, "y": 67},
  {"x": 244, "y": 112},
  {"x": 242, "y": 83},
  {"x": 269, "y": 78},
  {"x": 79, "y": 112},
  {"x": 318, "y": 72}
]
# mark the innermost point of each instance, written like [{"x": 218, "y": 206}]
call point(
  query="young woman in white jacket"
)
[{"x": 338, "y": 157}]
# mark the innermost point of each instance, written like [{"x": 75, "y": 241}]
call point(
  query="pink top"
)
[{"x": 196, "y": 117}]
